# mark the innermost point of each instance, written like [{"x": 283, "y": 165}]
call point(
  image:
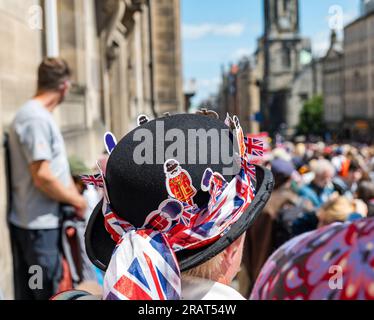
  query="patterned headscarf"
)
[{"x": 332, "y": 263}]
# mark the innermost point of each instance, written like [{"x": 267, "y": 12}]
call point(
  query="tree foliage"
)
[{"x": 311, "y": 118}]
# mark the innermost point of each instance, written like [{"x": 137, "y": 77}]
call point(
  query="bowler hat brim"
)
[{"x": 100, "y": 246}]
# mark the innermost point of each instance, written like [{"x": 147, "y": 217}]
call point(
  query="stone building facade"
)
[
  {"x": 367, "y": 6},
  {"x": 281, "y": 78},
  {"x": 126, "y": 60},
  {"x": 359, "y": 78},
  {"x": 333, "y": 87},
  {"x": 306, "y": 85},
  {"x": 348, "y": 77},
  {"x": 142, "y": 72},
  {"x": 248, "y": 96},
  {"x": 239, "y": 94},
  {"x": 289, "y": 75},
  {"x": 167, "y": 56},
  {"x": 19, "y": 55},
  {"x": 280, "y": 47}
]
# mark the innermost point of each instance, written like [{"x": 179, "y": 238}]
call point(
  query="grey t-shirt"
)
[{"x": 34, "y": 136}]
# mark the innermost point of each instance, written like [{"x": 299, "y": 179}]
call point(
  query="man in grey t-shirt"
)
[{"x": 41, "y": 181}]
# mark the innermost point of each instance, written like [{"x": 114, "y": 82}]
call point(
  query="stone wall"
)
[
  {"x": 114, "y": 89},
  {"x": 20, "y": 54},
  {"x": 167, "y": 55},
  {"x": 333, "y": 91},
  {"x": 357, "y": 66},
  {"x": 79, "y": 117}
]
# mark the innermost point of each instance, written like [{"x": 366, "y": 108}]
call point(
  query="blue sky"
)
[{"x": 217, "y": 32}]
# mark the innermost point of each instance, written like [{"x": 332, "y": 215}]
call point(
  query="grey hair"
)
[{"x": 322, "y": 166}]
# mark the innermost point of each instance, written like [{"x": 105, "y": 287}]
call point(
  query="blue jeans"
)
[{"x": 36, "y": 248}]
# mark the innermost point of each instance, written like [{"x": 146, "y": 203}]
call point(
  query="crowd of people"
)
[{"x": 315, "y": 185}]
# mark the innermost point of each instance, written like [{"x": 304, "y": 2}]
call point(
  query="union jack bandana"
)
[{"x": 144, "y": 265}]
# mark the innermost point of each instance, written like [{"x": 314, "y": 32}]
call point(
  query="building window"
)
[
  {"x": 357, "y": 81},
  {"x": 304, "y": 97},
  {"x": 68, "y": 40},
  {"x": 285, "y": 5},
  {"x": 286, "y": 56}
]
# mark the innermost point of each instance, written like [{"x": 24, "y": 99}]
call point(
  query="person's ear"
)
[
  {"x": 234, "y": 249},
  {"x": 65, "y": 86}
]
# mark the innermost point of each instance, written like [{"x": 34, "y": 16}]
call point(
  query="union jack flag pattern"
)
[
  {"x": 143, "y": 267},
  {"x": 250, "y": 169},
  {"x": 255, "y": 147},
  {"x": 93, "y": 180}
]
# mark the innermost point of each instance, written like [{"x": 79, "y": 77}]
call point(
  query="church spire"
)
[
  {"x": 333, "y": 38},
  {"x": 281, "y": 17}
]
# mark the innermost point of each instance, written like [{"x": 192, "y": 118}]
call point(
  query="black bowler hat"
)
[
  {"x": 136, "y": 190},
  {"x": 171, "y": 165}
]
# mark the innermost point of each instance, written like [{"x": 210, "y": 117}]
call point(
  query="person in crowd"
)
[
  {"x": 41, "y": 181},
  {"x": 340, "y": 161},
  {"x": 92, "y": 196},
  {"x": 320, "y": 189},
  {"x": 209, "y": 281},
  {"x": 272, "y": 227},
  {"x": 341, "y": 209},
  {"x": 281, "y": 153},
  {"x": 212, "y": 280},
  {"x": 365, "y": 192},
  {"x": 327, "y": 153},
  {"x": 314, "y": 195},
  {"x": 80, "y": 270},
  {"x": 298, "y": 157},
  {"x": 347, "y": 185}
]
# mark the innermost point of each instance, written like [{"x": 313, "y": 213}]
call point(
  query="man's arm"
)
[{"x": 45, "y": 181}]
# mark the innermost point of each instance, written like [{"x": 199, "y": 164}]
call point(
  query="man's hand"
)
[
  {"x": 78, "y": 202},
  {"x": 45, "y": 181},
  {"x": 80, "y": 206}
]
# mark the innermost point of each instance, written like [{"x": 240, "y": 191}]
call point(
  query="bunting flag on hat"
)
[
  {"x": 114, "y": 224},
  {"x": 239, "y": 136},
  {"x": 143, "y": 265},
  {"x": 142, "y": 119},
  {"x": 229, "y": 122},
  {"x": 93, "y": 180},
  {"x": 179, "y": 182},
  {"x": 255, "y": 147},
  {"x": 110, "y": 142},
  {"x": 250, "y": 168}
]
